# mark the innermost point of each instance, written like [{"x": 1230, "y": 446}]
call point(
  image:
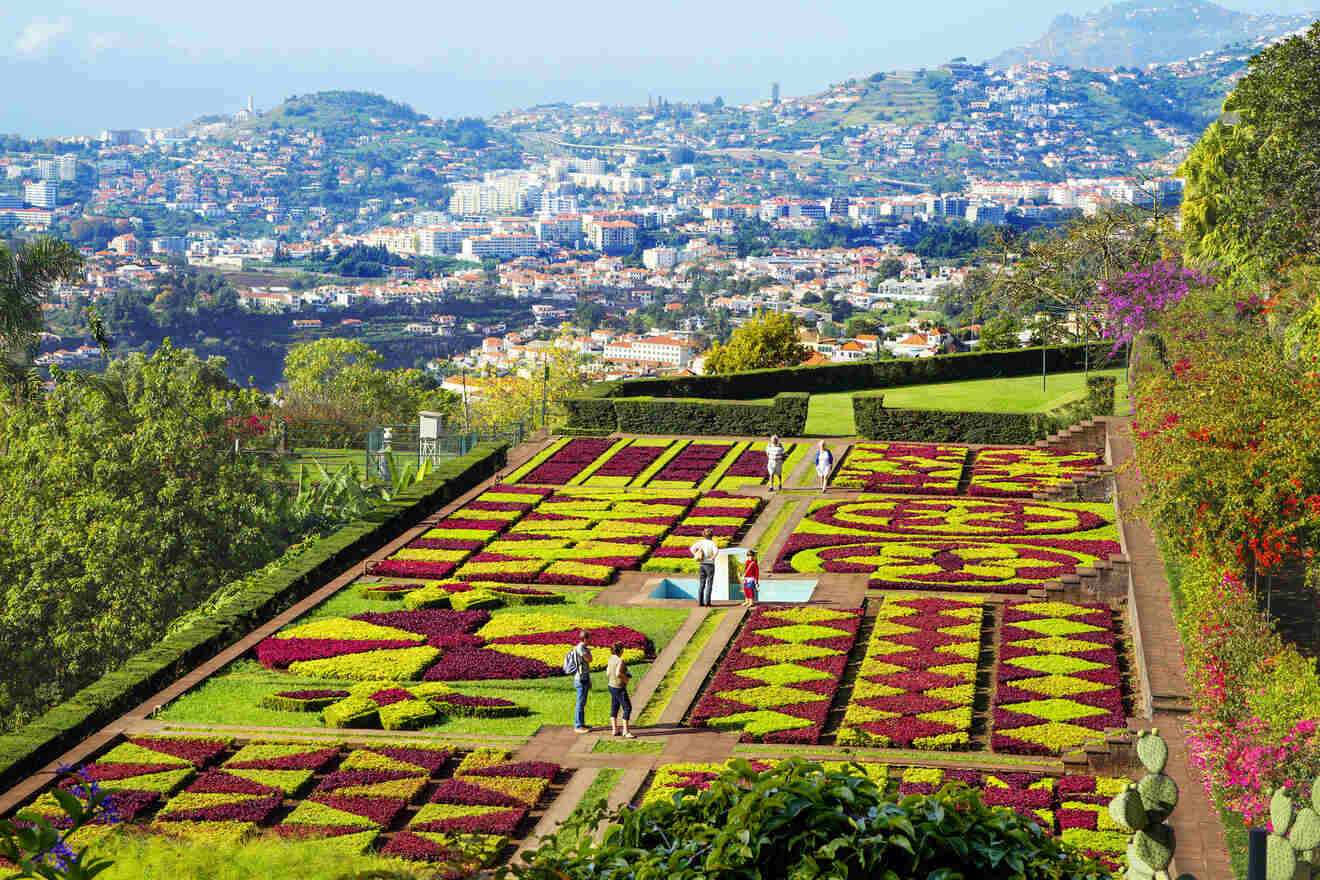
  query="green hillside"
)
[{"x": 337, "y": 110}]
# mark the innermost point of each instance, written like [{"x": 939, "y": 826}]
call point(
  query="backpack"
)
[{"x": 571, "y": 662}]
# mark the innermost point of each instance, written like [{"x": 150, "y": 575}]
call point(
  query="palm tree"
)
[{"x": 26, "y": 276}]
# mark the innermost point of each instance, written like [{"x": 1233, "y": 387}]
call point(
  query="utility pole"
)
[
  {"x": 467, "y": 417},
  {"x": 545, "y": 393}
]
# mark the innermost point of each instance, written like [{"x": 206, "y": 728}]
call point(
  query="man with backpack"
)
[{"x": 577, "y": 663}]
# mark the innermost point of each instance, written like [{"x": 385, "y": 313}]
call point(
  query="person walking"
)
[
  {"x": 617, "y": 677},
  {"x": 578, "y": 664},
  {"x": 824, "y": 463},
  {"x": 751, "y": 579},
  {"x": 705, "y": 551},
  {"x": 774, "y": 461}
]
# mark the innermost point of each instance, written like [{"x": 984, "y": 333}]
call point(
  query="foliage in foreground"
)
[
  {"x": 767, "y": 341},
  {"x": 798, "y": 821}
]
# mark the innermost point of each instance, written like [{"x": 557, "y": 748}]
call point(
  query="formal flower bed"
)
[
  {"x": 777, "y": 680},
  {"x": 953, "y": 544},
  {"x": 476, "y": 811},
  {"x": 1021, "y": 472},
  {"x": 459, "y": 595},
  {"x": 749, "y": 468},
  {"x": 324, "y": 791},
  {"x": 691, "y": 466},
  {"x": 1057, "y": 684},
  {"x": 580, "y": 536},
  {"x": 628, "y": 463},
  {"x": 392, "y": 705},
  {"x": 919, "y": 468},
  {"x": 1073, "y": 807},
  {"x": 917, "y": 682},
  {"x": 567, "y": 461},
  {"x": 445, "y": 646},
  {"x": 440, "y": 551},
  {"x": 728, "y": 516},
  {"x": 670, "y": 780}
]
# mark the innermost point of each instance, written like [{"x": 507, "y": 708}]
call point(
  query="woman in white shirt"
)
[
  {"x": 617, "y": 676},
  {"x": 824, "y": 463}
]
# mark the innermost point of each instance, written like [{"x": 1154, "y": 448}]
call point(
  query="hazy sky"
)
[{"x": 75, "y": 68}]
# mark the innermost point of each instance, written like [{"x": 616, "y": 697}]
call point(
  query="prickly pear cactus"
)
[
  {"x": 1144, "y": 808},
  {"x": 1293, "y": 848}
]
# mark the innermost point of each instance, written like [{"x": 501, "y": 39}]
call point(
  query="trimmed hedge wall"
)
[
  {"x": 27, "y": 749},
  {"x": 875, "y": 422},
  {"x": 854, "y": 376},
  {"x": 785, "y": 415}
]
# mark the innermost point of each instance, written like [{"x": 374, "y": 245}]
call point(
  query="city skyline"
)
[{"x": 155, "y": 67}]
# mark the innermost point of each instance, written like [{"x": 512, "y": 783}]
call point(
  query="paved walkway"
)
[{"x": 1201, "y": 850}]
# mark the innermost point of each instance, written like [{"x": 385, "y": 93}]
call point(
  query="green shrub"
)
[
  {"x": 852, "y": 376},
  {"x": 799, "y": 820},
  {"x": 28, "y": 748},
  {"x": 1100, "y": 395},
  {"x": 876, "y": 422},
  {"x": 785, "y": 415}
]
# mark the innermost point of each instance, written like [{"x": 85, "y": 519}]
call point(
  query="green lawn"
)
[
  {"x": 832, "y": 414},
  {"x": 233, "y": 695}
]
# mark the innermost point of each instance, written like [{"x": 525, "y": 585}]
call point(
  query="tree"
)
[
  {"x": 501, "y": 403},
  {"x": 800, "y": 820},
  {"x": 769, "y": 340},
  {"x": 890, "y": 267},
  {"x": 122, "y": 504},
  {"x": 340, "y": 381},
  {"x": 1000, "y": 333},
  {"x": 26, "y": 277},
  {"x": 1250, "y": 203}
]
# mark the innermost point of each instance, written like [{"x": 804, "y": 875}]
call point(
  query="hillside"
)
[
  {"x": 338, "y": 110},
  {"x": 1135, "y": 33}
]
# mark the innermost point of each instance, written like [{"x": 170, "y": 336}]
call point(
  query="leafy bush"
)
[
  {"x": 801, "y": 820},
  {"x": 876, "y": 422},
  {"x": 856, "y": 375},
  {"x": 786, "y": 415}
]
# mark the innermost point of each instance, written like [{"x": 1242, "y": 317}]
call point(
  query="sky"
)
[{"x": 75, "y": 68}]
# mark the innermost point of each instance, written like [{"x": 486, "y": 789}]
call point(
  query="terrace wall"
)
[{"x": 30, "y": 747}]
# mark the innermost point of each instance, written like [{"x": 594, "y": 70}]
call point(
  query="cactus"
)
[
  {"x": 1280, "y": 858},
  {"x": 1144, "y": 808},
  {"x": 1281, "y": 811},
  {"x": 1159, "y": 795},
  {"x": 1128, "y": 811},
  {"x": 1295, "y": 837},
  {"x": 1152, "y": 751}
]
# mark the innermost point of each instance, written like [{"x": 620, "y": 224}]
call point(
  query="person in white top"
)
[
  {"x": 617, "y": 676},
  {"x": 774, "y": 462},
  {"x": 705, "y": 551},
  {"x": 824, "y": 463}
]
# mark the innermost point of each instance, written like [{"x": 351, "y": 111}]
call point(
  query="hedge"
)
[
  {"x": 785, "y": 415},
  {"x": 852, "y": 376},
  {"x": 27, "y": 749},
  {"x": 876, "y": 422}
]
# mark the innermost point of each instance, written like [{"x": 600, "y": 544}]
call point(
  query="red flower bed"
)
[
  {"x": 220, "y": 782},
  {"x": 568, "y": 461},
  {"x": 432, "y": 623},
  {"x": 444, "y": 543},
  {"x": 255, "y": 810},
  {"x": 694, "y": 463},
  {"x": 413, "y": 568},
  {"x": 378, "y": 809},
  {"x": 279, "y": 653},
  {"x": 504, "y": 822},
  {"x": 479, "y": 664},
  {"x": 629, "y": 461},
  {"x": 195, "y": 750},
  {"x": 312, "y": 759},
  {"x": 601, "y": 637},
  {"x": 521, "y": 769},
  {"x": 454, "y": 791}
]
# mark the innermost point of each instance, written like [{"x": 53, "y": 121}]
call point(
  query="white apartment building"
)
[
  {"x": 47, "y": 169},
  {"x": 660, "y": 258},
  {"x": 663, "y": 350},
  {"x": 614, "y": 235},
  {"x": 42, "y": 194},
  {"x": 562, "y": 228},
  {"x": 67, "y": 168},
  {"x": 435, "y": 241},
  {"x": 479, "y": 247}
]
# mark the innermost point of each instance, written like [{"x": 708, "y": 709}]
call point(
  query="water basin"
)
[{"x": 771, "y": 590}]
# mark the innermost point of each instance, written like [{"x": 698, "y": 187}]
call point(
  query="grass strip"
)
[
  {"x": 658, "y": 465},
  {"x": 597, "y": 793},
  {"x": 776, "y": 526},
  {"x": 537, "y": 460},
  {"x": 669, "y": 685},
  {"x": 610, "y": 746}
]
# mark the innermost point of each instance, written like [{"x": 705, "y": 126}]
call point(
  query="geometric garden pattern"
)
[{"x": 1057, "y": 685}]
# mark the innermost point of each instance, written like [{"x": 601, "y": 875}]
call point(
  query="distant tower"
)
[
  {"x": 251, "y": 108},
  {"x": 774, "y": 94}
]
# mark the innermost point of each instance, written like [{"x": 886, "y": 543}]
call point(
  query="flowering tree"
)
[
  {"x": 38, "y": 849},
  {"x": 1132, "y": 300}
]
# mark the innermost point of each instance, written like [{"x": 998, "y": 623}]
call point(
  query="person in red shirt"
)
[{"x": 751, "y": 579}]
